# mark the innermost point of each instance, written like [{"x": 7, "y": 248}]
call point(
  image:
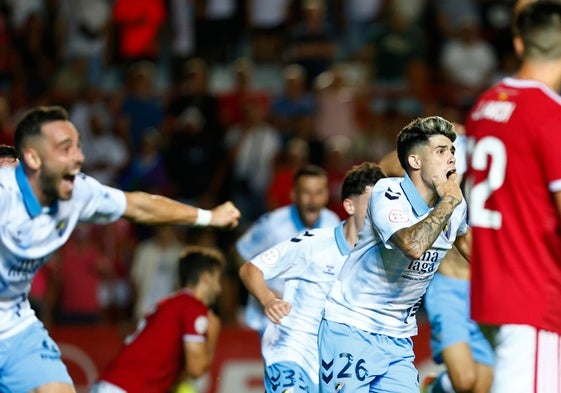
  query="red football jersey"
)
[
  {"x": 514, "y": 154},
  {"x": 152, "y": 358}
]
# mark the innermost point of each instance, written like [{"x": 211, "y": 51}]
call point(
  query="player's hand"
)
[
  {"x": 448, "y": 187},
  {"x": 276, "y": 309},
  {"x": 225, "y": 215}
]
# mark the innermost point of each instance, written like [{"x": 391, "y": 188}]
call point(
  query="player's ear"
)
[
  {"x": 349, "y": 206},
  {"x": 518, "y": 46},
  {"x": 31, "y": 158},
  {"x": 414, "y": 161},
  {"x": 204, "y": 278}
]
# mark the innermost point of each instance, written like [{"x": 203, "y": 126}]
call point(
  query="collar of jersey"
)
[
  {"x": 417, "y": 202},
  {"x": 31, "y": 203},
  {"x": 341, "y": 241},
  {"x": 298, "y": 223}
]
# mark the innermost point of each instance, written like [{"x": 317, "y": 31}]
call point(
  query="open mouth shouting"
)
[{"x": 68, "y": 182}]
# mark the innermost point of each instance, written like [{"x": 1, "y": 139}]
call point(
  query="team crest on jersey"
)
[
  {"x": 271, "y": 256},
  {"x": 201, "y": 324},
  {"x": 397, "y": 216},
  {"x": 61, "y": 227}
]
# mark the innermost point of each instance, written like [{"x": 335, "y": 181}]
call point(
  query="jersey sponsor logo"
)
[
  {"x": 271, "y": 256},
  {"x": 397, "y": 216},
  {"x": 201, "y": 324},
  {"x": 426, "y": 264},
  {"x": 499, "y": 111},
  {"x": 392, "y": 195},
  {"x": 49, "y": 350},
  {"x": 329, "y": 269}
]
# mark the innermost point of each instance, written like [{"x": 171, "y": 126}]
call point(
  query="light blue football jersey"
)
[
  {"x": 269, "y": 230},
  {"x": 379, "y": 289},
  {"x": 30, "y": 233},
  {"x": 308, "y": 264}
]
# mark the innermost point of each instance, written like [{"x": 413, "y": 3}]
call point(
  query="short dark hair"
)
[
  {"x": 33, "y": 120},
  {"x": 359, "y": 177},
  {"x": 418, "y": 132},
  {"x": 7, "y": 151},
  {"x": 309, "y": 170},
  {"x": 539, "y": 26},
  {"x": 195, "y": 260}
]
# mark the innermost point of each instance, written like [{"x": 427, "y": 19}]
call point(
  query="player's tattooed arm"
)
[{"x": 418, "y": 238}]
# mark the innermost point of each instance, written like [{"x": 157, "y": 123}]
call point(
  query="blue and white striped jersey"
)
[
  {"x": 30, "y": 233},
  {"x": 308, "y": 264},
  {"x": 379, "y": 289}
]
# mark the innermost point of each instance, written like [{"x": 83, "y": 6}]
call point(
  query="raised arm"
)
[
  {"x": 418, "y": 238},
  {"x": 155, "y": 209}
]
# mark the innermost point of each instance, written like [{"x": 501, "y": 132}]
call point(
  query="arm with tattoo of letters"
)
[{"x": 418, "y": 238}]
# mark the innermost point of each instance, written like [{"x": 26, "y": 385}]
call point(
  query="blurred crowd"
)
[{"x": 213, "y": 100}]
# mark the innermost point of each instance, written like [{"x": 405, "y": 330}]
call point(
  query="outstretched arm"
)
[
  {"x": 252, "y": 277},
  {"x": 155, "y": 209}
]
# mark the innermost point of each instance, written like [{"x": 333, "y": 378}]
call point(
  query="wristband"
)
[{"x": 203, "y": 217}]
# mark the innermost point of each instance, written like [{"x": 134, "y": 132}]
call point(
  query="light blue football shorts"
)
[
  {"x": 356, "y": 361},
  {"x": 288, "y": 377},
  {"x": 447, "y": 306},
  {"x": 30, "y": 359}
]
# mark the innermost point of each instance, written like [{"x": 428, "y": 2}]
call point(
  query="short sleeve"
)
[
  {"x": 284, "y": 260},
  {"x": 390, "y": 211},
  {"x": 195, "y": 323},
  {"x": 103, "y": 204}
]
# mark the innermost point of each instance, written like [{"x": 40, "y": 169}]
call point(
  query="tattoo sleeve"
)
[{"x": 418, "y": 238}]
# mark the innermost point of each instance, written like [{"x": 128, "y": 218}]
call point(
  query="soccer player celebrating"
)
[
  {"x": 308, "y": 264},
  {"x": 364, "y": 337},
  {"x": 42, "y": 200},
  {"x": 310, "y": 195}
]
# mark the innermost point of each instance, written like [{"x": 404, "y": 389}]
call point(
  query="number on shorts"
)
[{"x": 359, "y": 369}]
